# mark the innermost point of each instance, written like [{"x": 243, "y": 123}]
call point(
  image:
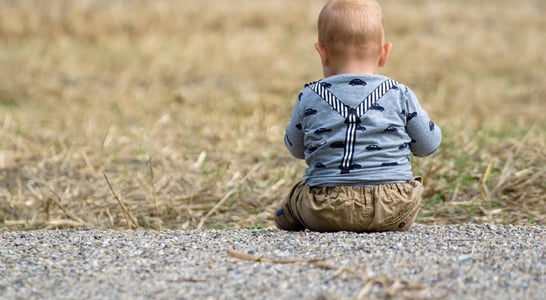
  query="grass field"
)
[{"x": 170, "y": 114}]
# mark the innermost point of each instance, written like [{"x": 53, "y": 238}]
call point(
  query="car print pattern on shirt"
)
[
  {"x": 326, "y": 84},
  {"x": 320, "y": 166},
  {"x": 355, "y": 166},
  {"x": 377, "y": 107},
  {"x": 410, "y": 116},
  {"x": 337, "y": 145},
  {"x": 312, "y": 149},
  {"x": 352, "y": 117},
  {"x": 373, "y": 147},
  {"x": 322, "y": 130},
  {"x": 357, "y": 81},
  {"x": 309, "y": 112},
  {"x": 391, "y": 129}
]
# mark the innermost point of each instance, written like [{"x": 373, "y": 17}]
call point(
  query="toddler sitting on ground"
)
[{"x": 355, "y": 129}]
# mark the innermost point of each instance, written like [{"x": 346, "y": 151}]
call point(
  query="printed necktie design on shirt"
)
[{"x": 352, "y": 115}]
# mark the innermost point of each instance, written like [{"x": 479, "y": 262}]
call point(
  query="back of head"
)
[{"x": 347, "y": 25}]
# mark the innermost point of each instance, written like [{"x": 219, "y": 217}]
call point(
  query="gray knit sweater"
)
[{"x": 359, "y": 129}]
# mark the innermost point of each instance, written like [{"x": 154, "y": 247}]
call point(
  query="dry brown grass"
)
[{"x": 170, "y": 114}]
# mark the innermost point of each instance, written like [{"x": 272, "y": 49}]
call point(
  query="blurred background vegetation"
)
[{"x": 170, "y": 114}]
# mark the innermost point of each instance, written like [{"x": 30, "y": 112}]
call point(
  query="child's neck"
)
[{"x": 351, "y": 67}]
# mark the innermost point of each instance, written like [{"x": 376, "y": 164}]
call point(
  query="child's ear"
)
[
  {"x": 385, "y": 51},
  {"x": 323, "y": 54}
]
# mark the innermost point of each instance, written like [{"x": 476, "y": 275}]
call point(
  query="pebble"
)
[{"x": 466, "y": 261}]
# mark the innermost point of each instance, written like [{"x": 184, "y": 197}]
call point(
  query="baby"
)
[{"x": 356, "y": 130}]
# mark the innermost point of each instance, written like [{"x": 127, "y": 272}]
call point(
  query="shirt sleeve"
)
[
  {"x": 425, "y": 134},
  {"x": 294, "y": 135}
]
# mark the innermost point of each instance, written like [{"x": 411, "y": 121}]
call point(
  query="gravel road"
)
[{"x": 465, "y": 261}]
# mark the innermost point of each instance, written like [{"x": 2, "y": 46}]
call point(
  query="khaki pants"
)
[{"x": 386, "y": 207}]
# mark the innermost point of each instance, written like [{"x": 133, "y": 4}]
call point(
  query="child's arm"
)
[
  {"x": 426, "y": 136},
  {"x": 293, "y": 138}
]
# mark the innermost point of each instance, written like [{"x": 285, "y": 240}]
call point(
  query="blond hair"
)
[{"x": 345, "y": 25}]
